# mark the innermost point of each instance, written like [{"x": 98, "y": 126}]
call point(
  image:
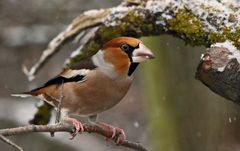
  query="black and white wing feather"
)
[{"x": 76, "y": 74}]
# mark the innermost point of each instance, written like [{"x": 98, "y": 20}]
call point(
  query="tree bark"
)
[
  {"x": 219, "y": 69},
  {"x": 68, "y": 128}
]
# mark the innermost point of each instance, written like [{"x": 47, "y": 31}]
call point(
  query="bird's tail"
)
[
  {"x": 31, "y": 93},
  {"x": 22, "y": 95}
]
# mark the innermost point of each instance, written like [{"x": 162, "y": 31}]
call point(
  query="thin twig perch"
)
[
  {"x": 58, "y": 115},
  {"x": 68, "y": 128},
  {"x": 8, "y": 141}
]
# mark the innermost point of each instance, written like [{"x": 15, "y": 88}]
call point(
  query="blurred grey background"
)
[{"x": 166, "y": 108}]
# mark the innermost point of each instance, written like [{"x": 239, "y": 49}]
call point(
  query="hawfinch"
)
[{"x": 99, "y": 83}]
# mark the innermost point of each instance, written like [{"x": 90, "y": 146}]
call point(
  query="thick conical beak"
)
[{"x": 141, "y": 54}]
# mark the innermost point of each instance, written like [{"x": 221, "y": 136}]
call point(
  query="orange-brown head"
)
[{"x": 121, "y": 54}]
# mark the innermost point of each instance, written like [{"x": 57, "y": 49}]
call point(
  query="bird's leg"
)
[
  {"x": 115, "y": 131},
  {"x": 77, "y": 125}
]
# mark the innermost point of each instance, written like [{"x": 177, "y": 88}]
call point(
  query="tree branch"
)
[
  {"x": 8, "y": 141},
  {"x": 60, "y": 100},
  {"x": 82, "y": 22},
  {"x": 219, "y": 69},
  {"x": 68, "y": 128},
  {"x": 196, "y": 22}
]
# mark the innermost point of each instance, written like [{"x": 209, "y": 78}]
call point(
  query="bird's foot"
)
[
  {"x": 118, "y": 134},
  {"x": 77, "y": 125}
]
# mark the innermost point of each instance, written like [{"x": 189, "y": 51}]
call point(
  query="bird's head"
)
[{"x": 122, "y": 55}]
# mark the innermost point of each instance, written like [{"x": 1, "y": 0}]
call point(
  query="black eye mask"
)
[{"x": 129, "y": 50}]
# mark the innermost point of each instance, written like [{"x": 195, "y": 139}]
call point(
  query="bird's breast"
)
[{"x": 96, "y": 94}]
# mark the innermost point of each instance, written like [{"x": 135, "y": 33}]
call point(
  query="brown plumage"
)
[
  {"x": 101, "y": 83},
  {"x": 77, "y": 98}
]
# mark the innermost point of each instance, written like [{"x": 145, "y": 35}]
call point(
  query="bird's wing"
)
[
  {"x": 66, "y": 76},
  {"x": 77, "y": 73}
]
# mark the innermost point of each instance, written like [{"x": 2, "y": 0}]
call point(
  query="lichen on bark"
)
[{"x": 195, "y": 23}]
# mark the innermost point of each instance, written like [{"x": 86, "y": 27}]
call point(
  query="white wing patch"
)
[
  {"x": 73, "y": 73},
  {"x": 41, "y": 97}
]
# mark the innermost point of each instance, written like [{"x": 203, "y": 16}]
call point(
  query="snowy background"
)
[{"x": 166, "y": 108}]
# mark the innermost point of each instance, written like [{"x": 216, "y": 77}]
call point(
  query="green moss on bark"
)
[
  {"x": 187, "y": 26},
  {"x": 183, "y": 24},
  {"x": 226, "y": 33}
]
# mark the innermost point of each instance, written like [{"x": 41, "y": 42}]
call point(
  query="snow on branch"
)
[
  {"x": 197, "y": 22},
  {"x": 219, "y": 70},
  {"x": 86, "y": 20}
]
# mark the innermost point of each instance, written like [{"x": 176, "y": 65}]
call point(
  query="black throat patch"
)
[{"x": 132, "y": 68}]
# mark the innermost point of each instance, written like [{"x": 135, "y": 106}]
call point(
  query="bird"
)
[{"x": 97, "y": 84}]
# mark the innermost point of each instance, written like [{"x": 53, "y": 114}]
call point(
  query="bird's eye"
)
[{"x": 125, "y": 47}]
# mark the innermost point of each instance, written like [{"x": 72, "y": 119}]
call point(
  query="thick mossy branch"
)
[{"x": 195, "y": 23}]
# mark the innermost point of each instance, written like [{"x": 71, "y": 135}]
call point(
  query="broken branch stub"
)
[{"x": 219, "y": 70}]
